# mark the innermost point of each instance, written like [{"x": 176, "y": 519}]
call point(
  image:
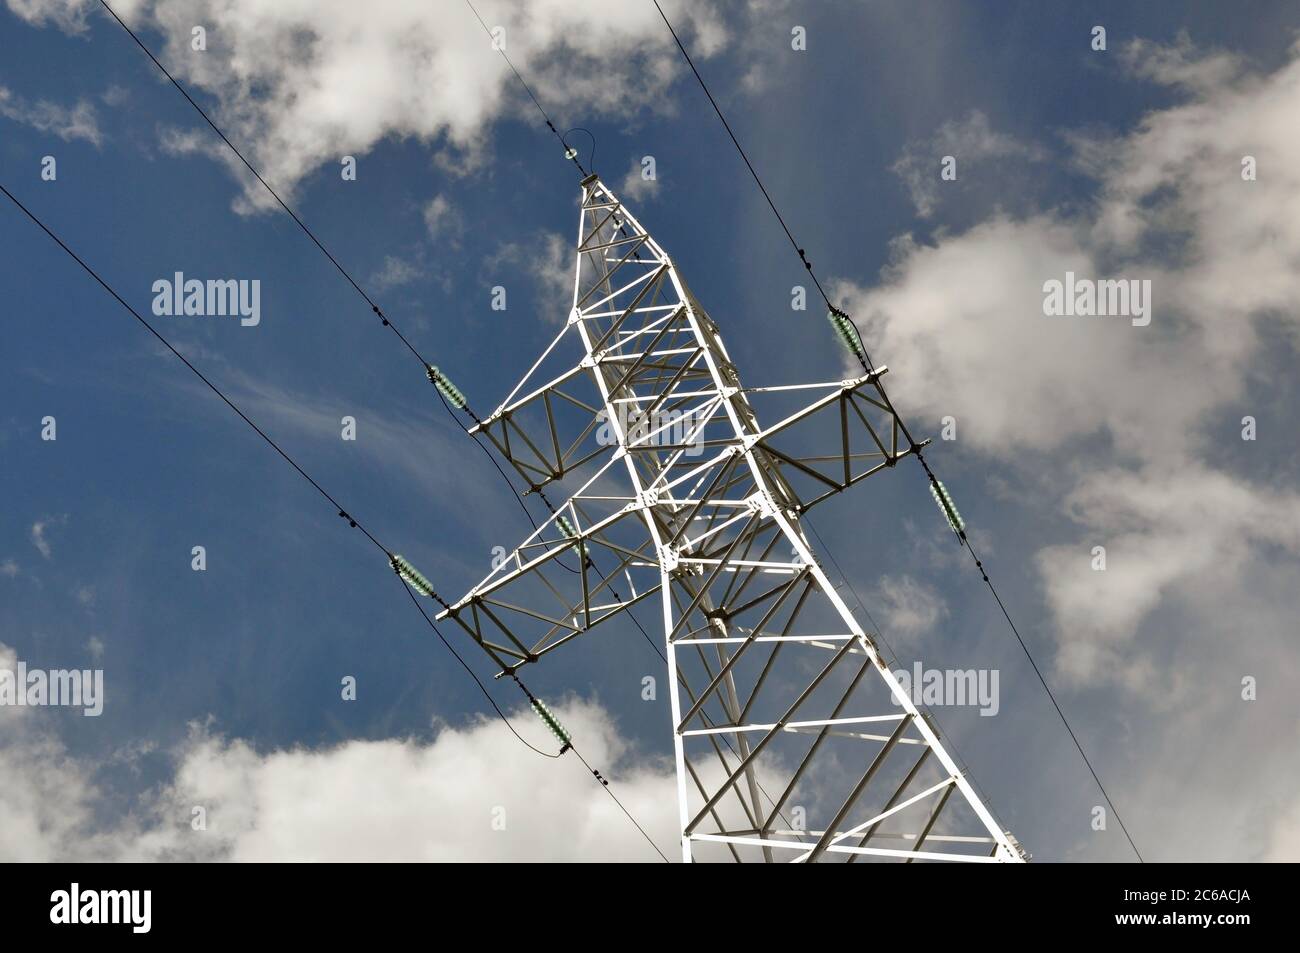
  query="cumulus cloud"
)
[
  {"x": 47, "y": 798},
  {"x": 301, "y": 83},
  {"x": 963, "y": 313},
  {"x": 445, "y": 800},
  {"x": 1163, "y": 527},
  {"x": 470, "y": 793},
  {"x": 67, "y": 122}
]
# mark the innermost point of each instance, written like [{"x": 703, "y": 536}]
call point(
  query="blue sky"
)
[{"x": 148, "y": 464}]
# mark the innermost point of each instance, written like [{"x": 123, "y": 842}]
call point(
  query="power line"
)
[
  {"x": 893, "y": 656},
  {"x": 1050, "y": 695},
  {"x": 916, "y": 449},
  {"x": 610, "y": 791},
  {"x": 649, "y": 640},
  {"x": 491, "y": 701},
  {"x": 596, "y": 775},
  {"x": 374, "y": 307},
  {"x": 387, "y": 322},
  {"x": 570, "y": 154},
  {"x": 384, "y": 318},
  {"x": 540, "y": 492},
  {"x": 292, "y": 214},
  {"x": 600, "y": 778},
  {"x": 352, "y": 520},
  {"x": 749, "y": 165}
]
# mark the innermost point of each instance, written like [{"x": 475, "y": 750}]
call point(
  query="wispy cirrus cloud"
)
[{"x": 69, "y": 123}]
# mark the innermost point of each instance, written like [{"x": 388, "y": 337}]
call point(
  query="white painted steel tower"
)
[{"x": 793, "y": 739}]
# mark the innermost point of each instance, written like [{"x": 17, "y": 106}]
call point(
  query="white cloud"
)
[
  {"x": 38, "y": 537},
  {"x": 442, "y": 219},
  {"x": 69, "y": 15},
  {"x": 635, "y": 187},
  {"x": 397, "y": 799},
  {"x": 552, "y": 268},
  {"x": 910, "y": 607},
  {"x": 1181, "y": 64},
  {"x": 299, "y": 83},
  {"x": 971, "y": 141},
  {"x": 68, "y": 123},
  {"x": 549, "y": 259},
  {"x": 1164, "y": 527},
  {"x": 47, "y": 798},
  {"x": 115, "y": 95},
  {"x": 398, "y": 442},
  {"x": 408, "y": 800},
  {"x": 9, "y": 568},
  {"x": 962, "y": 315},
  {"x": 394, "y": 273},
  {"x": 1284, "y": 840},
  {"x": 401, "y": 444}
]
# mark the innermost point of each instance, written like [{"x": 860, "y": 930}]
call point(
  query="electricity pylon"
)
[{"x": 793, "y": 739}]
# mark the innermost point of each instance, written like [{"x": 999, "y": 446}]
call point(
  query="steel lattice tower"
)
[{"x": 793, "y": 739}]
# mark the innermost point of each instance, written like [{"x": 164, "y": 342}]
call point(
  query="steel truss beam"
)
[{"x": 796, "y": 742}]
